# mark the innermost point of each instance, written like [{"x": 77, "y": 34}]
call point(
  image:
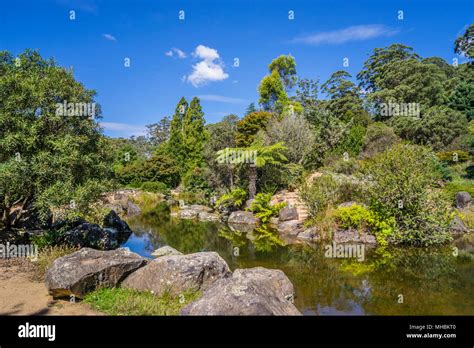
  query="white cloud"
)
[
  {"x": 354, "y": 33},
  {"x": 109, "y": 37},
  {"x": 209, "y": 69},
  {"x": 176, "y": 52},
  {"x": 124, "y": 129},
  {"x": 222, "y": 99}
]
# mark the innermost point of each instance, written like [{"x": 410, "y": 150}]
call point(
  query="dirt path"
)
[{"x": 20, "y": 295}]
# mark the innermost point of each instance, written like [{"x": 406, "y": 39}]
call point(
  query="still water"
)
[{"x": 388, "y": 282}]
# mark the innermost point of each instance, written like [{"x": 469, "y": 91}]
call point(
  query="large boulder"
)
[
  {"x": 90, "y": 236},
  {"x": 87, "y": 269},
  {"x": 253, "y": 291},
  {"x": 288, "y": 213},
  {"x": 292, "y": 227},
  {"x": 463, "y": 199},
  {"x": 242, "y": 217},
  {"x": 309, "y": 235},
  {"x": 113, "y": 221},
  {"x": 188, "y": 214},
  {"x": 458, "y": 226},
  {"x": 165, "y": 250},
  {"x": 205, "y": 216},
  {"x": 179, "y": 273}
]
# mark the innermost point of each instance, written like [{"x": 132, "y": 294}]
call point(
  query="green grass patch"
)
[{"x": 119, "y": 301}]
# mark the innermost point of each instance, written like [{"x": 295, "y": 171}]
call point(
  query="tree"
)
[
  {"x": 438, "y": 128},
  {"x": 286, "y": 68},
  {"x": 344, "y": 101},
  {"x": 50, "y": 156},
  {"x": 307, "y": 92},
  {"x": 375, "y": 65},
  {"x": 264, "y": 155},
  {"x": 251, "y": 108},
  {"x": 194, "y": 135},
  {"x": 159, "y": 132},
  {"x": 175, "y": 146},
  {"x": 249, "y": 126},
  {"x": 272, "y": 92},
  {"x": 464, "y": 45},
  {"x": 462, "y": 99}
]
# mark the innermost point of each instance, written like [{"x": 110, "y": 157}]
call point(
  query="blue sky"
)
[{"x": 170, "y": 58}]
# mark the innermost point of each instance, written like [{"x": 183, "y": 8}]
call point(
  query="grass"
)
[
  {"x": 147, "y": 201},
  {"x": 46, "y": 257},
  {"x": 119, "y": 301}
]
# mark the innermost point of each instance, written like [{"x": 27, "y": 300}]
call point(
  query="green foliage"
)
[
  {"x": 438, "y": 127},
  {"x": 464, "y": 44},
  {"x": 175, "y": 145},
  {"x": 272, "y": 92},
  {"x": 196, "y": 181},
  {"x": 249, "y": 126},
  {"x": 401, "y": 186},
  {"x": 263, "y": 209},
  {"x": 155, "y": 186},
  {"x": 321, "y": 193},
  {"x": 378, "y": 138},
  {"x": 194, "y": 135},
  {"x": 453, "y": 157},
  {"x": 43, "y": 152},
  {"x": 286, "y": 68},
  {"x": 363, "y": 219},
  {"x": 118, "y": 301},
  {"x": 462, "y": 99},
  {"x": 233, "y": 199},
  {"x": 353, "y": 141}
]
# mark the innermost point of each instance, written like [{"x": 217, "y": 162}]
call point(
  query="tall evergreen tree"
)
[
  {"x": 251, "y": 108},
  {"x": 176, "y": 143},
  {"x": 194, "y": 134}
]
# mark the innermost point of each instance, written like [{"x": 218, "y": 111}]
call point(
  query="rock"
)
[
  {"x": 244, "y": 228},
  {"x": 253, "y": 291},
  {"x": 133, "y": 209},
  {"x": 458, "y": 226},
  {"x": 242, "y": 217},
  {"x": 114, "y": 222},
  {"x": 91, "y": 236},
  {"x": 309, "y": 235},
  {"x": 87, "y": 269},
  {"x": 205, "y": 216},
  {"x": 292, "y": 227},
  {"x": 463, "y": 199},
  {"x": 179, "y": 273},
  {"x": 165, "y": 250},
  {"x": 465, "y": 242},
  {"x": 200, "y": 208},
  {"x": 288, "y": 213},
  {"x": 188, "y": 214},
  {"x": 353, "y": 236}
]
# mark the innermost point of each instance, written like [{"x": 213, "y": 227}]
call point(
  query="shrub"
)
[
  {"x": 263, "y": 209},
  {"x": 46, "y": 257},
  {"x": 453, "y": 157},
  {"x": 348, "y": 167},
  {"x": 233, "y": 199},
  {"x": 361, "y": 218},
  {"x": 402, "y": 181},
  {"x": 155, "y": 186},
  {"x": 323, "y": 192},
  {"x": 379, "y": 137}
]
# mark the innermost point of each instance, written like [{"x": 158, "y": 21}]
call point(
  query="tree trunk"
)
[{"x": 252, "y": 181}]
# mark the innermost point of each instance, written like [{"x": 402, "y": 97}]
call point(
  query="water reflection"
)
[{"x": 432, "y": 281}]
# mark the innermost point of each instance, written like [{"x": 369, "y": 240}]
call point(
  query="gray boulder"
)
[
  {"x": 188, "y": 214},
  {"x": 288, "y": 213},
  {"x": 253, "y": 291},
  {"x": 87, "y": 269},
  {"x": 292, "y": 227},
  {"x": 242, "y": 217},
  {"x": 458, "y": 226},
  {"x": 133, "y": 209},
  {"x": 90, "y": 236},
  {"x": 200, "y": 208},
  {"x": 352, "y": 235},
  {"x": 179, "y": 273},
  {"x": 165, "y": 250},
  {"x": 205, "y": 216},
  {"x": 114, "y": 223},
  {"x": 463, "y": 199},
  {"x": 309, "y": 235}
]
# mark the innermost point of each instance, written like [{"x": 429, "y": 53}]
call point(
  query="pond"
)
[{"x": 391, "y": 281}]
